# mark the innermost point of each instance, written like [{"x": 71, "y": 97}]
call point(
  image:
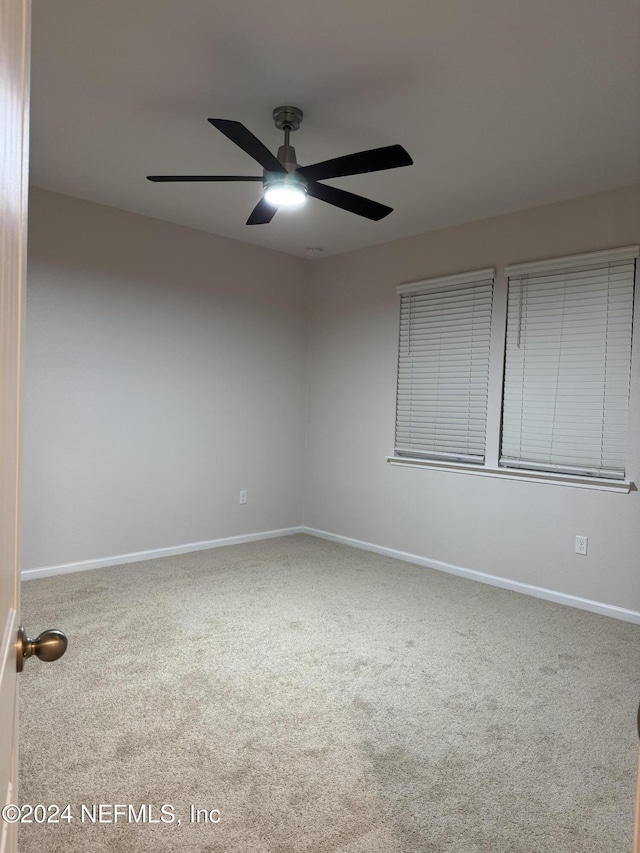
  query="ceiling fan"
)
[{"x": 287, "y": 183}]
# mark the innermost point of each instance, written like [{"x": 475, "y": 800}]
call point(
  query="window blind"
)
[
  {"x": 567, "y": 369},
  {"x": 443, "y": 368}
]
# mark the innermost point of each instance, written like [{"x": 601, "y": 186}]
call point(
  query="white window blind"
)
[
  {"x": 443, "y": 367},
  {"x": 567, "y": 367}
]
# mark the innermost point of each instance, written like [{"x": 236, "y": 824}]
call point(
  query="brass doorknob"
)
[{"x": 49, "y": 645}]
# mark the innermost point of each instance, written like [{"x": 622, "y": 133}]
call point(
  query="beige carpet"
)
[{"x": 330, "y": 700}]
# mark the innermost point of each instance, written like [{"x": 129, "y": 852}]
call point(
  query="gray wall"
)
[
  {"x": 517, "y": 530},
  {"x": 165, "y": 370}
]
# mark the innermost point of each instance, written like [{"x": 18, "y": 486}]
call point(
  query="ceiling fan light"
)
[{"x": 285, "y": 191}]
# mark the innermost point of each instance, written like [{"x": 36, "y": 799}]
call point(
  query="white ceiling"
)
[{"x": 503, "y": 104}]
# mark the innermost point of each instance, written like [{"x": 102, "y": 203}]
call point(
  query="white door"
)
[{"x": 14, "y": 138}]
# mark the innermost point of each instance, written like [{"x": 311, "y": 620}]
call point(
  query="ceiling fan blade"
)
[
  {"x": 160, "y": 178},
  {"x": 249, "y": 143},
  {"x": 348, "y": 201},
  {"x": 375, "y": 160},
  {"x": 262, "y": 213}
]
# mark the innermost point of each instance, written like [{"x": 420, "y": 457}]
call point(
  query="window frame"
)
[{"x": 491, "y": 466}]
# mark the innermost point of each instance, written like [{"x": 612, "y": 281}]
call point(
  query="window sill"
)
[{"x": 623, "y": 486}]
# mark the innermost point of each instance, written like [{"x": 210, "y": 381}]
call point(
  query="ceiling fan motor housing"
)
[{"x": 287, "y": 157}]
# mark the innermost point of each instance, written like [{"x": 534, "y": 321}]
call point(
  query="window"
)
[
  {"x": 443, "y": 367},
  {"x": 554, "y": 371},
  {"x": 567, "y": 366}
]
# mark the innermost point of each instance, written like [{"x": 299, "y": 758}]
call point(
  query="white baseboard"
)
[
  {"x": 494, "y": 580},
  {"x": 138, "y": 556},
  {"x": 482, "y": 577}
]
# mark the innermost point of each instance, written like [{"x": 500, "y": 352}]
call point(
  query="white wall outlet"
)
[
  {"x": 581, "y": 545},
  {"x": 243, "y": 497}
]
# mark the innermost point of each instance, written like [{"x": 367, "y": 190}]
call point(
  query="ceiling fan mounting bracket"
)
[{"x": 287, "y": 118}]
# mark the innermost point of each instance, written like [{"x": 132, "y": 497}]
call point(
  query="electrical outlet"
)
[
  {"x": 581, "y": 545},
  {"x": 243, "y": 497}
]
